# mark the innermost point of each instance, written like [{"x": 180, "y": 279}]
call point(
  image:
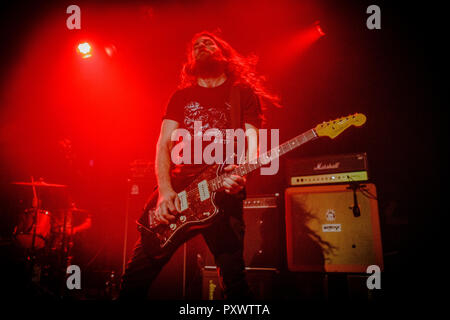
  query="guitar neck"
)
[{"x": 244, "y": 169}]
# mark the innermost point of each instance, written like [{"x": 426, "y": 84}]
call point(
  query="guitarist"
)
[{"x": 213, "y": 67}]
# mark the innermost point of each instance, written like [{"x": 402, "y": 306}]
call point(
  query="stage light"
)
[
  {"x": 111, "y": 50},
  {"x": 319, "y": 29},
  {"x": 85, "y": 50}
]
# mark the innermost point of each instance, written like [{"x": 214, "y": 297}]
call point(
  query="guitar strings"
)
[{"x": 279, "y": 150}]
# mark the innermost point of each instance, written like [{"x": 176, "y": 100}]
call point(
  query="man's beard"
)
[{"x": 209, "y": 67}]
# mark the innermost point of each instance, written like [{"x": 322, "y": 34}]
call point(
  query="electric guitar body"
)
[{"x": 199, "y": 210}]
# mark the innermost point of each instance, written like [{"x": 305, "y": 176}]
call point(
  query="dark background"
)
[{"x": 110, "y": 107}]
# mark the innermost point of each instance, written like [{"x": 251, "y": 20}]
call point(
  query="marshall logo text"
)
[{"x": 321, "y": 166}]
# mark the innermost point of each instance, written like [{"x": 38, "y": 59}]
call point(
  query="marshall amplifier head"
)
[{"x": 327, "y": 169}]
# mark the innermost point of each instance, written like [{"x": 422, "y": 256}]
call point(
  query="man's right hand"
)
[{"x": 168, "y": 202}]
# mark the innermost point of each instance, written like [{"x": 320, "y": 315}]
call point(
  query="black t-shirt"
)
[{"x": 212, "y": 107}]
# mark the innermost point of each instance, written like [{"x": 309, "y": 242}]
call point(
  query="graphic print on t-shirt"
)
[
  {"x": 210, "y": 117},
  {"x": 211, "y": 107}
]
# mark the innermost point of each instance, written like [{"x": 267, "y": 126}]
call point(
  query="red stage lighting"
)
[{"x": 85, "y": 50}]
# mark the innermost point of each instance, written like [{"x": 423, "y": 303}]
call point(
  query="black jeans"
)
[{"x": 225, "y": 240}]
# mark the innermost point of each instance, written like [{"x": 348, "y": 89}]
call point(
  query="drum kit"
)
[{"x": 45, "y": 237}]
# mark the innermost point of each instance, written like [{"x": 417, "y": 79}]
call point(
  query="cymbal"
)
[{"x": 40, "y": 184}]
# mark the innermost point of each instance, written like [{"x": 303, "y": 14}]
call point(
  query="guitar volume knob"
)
[{"x": 182, "y": 218}]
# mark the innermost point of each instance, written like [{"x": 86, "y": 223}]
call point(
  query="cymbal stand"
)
[
  {"x": 35, "y": 206},
  {"x": 66, "y": 240}
]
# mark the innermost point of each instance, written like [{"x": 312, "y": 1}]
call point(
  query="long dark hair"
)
[{"x": 240, "y": 69}]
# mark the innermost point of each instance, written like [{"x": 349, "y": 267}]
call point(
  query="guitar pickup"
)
[
  {"x": 203, "y": 190},
  {"x": 183, "y": 200}
]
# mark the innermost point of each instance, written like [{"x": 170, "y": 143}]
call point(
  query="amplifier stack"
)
[{"x": 332, "y": 222}]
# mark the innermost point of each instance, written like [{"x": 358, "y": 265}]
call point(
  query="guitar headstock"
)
[{"x": 335, "y": 127}]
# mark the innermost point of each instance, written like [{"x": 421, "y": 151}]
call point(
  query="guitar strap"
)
[
  {"x": 236, "y": 122},
  {"x": 235, "y": 102}
]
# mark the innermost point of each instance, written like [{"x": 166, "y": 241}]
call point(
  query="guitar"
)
[{"x": 199, "y": 207}]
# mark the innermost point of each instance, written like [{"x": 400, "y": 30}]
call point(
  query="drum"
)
[{"x": 24, "y": 229}]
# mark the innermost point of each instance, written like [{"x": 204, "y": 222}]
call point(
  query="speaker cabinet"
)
[
  {"x": 263, "y": 229},
  {"x": 325, "y": 233}
]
